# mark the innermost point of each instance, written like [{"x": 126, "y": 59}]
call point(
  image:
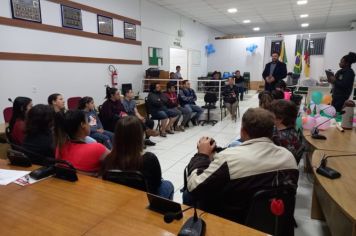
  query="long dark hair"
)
[
  {"x": 128, "y": 145},
  {"x": 52, "y": 98},
  {"x": 19, "y": 108},
  {"x": 110, "y": 92},
  {"x": 39, "y": 119},
  {"x": 66, "y": 126},
  {"x": 83, "y": 102}
]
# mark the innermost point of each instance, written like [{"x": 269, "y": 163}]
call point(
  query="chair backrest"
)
[
  {"x": 148, "y": 112},
  {"x": 133, "y": 179},
  {"x": 73, "y": 102},
  {"x": 210, "y": 98},
  {"x": 260, "y": 216},
  {"x": 7, "y": 114},
  {"x": 246, "y": 75}
]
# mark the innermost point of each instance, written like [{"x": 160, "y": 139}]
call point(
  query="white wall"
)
[
  {"x": 39, "y": 79},
  {"x": 162, "y": 31},
  {"x": 231, "y": 55},
  {"x": 337, "y": 45}
]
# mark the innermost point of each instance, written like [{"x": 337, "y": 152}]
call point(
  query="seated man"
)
[
  {"x": 187, "y": 100},
  {"x": 172, "y": 103},
  {"x": 225, "y": 183},
  {"x": 131, "y": 109},
  {"x": 159, "y": 111}
]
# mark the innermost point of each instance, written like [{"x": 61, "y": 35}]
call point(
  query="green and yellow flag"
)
[
  {"x": 283, "y": 55},
  {"x": 298, "y": 58}
]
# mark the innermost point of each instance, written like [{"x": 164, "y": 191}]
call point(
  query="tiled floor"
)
[{"x": 175, "y": 152}]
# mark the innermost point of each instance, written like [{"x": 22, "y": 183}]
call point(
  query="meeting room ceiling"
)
[{"x": 270, "y": 16}]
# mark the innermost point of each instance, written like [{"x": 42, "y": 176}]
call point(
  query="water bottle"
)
[{"x": 348, "y": 116}]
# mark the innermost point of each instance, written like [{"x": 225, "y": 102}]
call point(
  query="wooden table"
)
[
  {"x": 91, "y": 206},
  {"x": 335, "y": 200},
  {"x": 336, "y": 140}
]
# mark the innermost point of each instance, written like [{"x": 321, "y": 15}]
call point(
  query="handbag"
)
[
  {"x": 18, "y": 158},
  {"x": 65, "y": 170}
]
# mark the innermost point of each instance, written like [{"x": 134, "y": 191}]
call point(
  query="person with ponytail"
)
[
  {"x": 20, "y": 108},
  {"x": 71, "y": 129},
  {"x": 112, "y": 109},
  {"x": 343, "y": 81},
  {"x": 56, "y": 101}
]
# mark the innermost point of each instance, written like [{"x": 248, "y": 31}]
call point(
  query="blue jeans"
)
[
  {"x": 105, "y": 138},
  {"x": 194, "y": 108},
  {"x": 187, "y": 198},
  {"x": 166, "y": 190}
]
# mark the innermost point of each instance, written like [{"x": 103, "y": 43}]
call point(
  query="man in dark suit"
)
[{"x": 274, "y": 72}]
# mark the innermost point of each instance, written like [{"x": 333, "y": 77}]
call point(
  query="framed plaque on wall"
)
[
  {"x": 129, "y": 31},
  {"x": 29, "y": 10},
  {"x": 105, "y": 25},
  {"x": 71, "y": 17}
]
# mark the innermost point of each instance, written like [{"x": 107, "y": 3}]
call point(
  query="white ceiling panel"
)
[{"x": 270, "y": 15}]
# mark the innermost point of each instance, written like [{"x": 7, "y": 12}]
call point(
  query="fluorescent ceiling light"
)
[
  {"x": 256, "y": 29},
  {"x": 304, "y": 25},
  {"x": 246, "y": 21},
  {"x": 232, "y": 10},
  {"x": 302, "y": 2},
  {"x": 304, "y": 15}
]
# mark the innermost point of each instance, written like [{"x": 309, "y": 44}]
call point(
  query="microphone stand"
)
[
  {"x": 327, "y": 171},
  {"x": 315, "y": 131},
  {"x": 194, "y": 226}
]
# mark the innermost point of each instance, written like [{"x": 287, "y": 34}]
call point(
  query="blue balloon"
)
[{"x": 209, "y": 48}]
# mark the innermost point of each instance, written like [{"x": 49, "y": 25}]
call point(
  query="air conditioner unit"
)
[
  {"x": 180, "y": 33},
  {"x": 353, "y": 25}
]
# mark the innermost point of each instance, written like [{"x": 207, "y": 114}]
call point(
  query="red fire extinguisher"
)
[{"x": 114, "y": 75}]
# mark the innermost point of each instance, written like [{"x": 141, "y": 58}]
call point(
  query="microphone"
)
[
  {"x": 194, "y": 226},
  {"x": 315, "y": 131},
  {"x": 10, "y": 100},
  {"x": 327, "y": 171},
  {"x": 170, "y": 216}
]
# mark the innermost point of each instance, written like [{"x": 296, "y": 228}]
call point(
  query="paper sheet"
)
[{"x": 8, "y": 176}]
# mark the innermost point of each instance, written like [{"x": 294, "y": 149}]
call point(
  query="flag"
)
[
  {"x": 298, "y": 58},
  {"x": 307, "y": 60},
  {"x": 283, "y": 55}
]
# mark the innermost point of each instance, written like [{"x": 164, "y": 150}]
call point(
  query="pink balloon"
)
[
  {"x": 321, "y": 120},
  {"x": 330, "y": 111},
  {"x": 310, "y": 123}
]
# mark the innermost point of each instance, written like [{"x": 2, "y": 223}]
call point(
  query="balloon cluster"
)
[
  {"x": 252, "y": 48},
  {"x": 318, "y": 112},
  {"x": 209, "y": 48}
]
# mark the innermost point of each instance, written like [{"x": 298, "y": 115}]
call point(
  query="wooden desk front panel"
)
[{"x": 337, "y": 197}]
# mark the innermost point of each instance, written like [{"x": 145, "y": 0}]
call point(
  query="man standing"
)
[
  {"x": 187, "y": 100},
  {"x": 274, "y": 72},
  {"x": 177, "y": 75}
]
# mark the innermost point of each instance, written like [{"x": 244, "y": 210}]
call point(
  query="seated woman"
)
[
  {"x": 96, "y": 128},
  {"x": 159, "y": 111},
  {"x": 71, "y": 128},
  {"x": 127, "y": 155},
  {"x": 265, "y": 99},
  {"x": 112, "y": 109},
  {"x": 56, "y": 101},
  {"x": 39, "y": 142},
  {"x": 285, "y": 134},
  {"x": 20, "y": 108}
]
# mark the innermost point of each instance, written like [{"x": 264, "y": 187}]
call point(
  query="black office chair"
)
[
  {"x": 261, "y": 218},
  {"x": 222, "y": 108},
  {"x": 210, "y": 101},
  {"x": 132, "y": 179},
  {"x": 149, "y": 115}
]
